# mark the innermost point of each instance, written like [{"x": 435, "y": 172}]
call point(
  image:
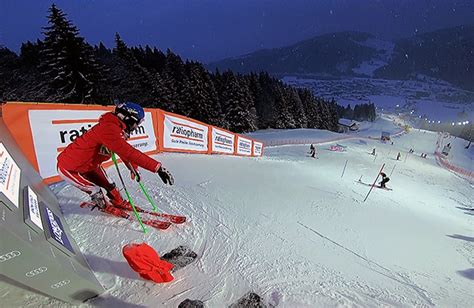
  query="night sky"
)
[{"x": 208, "y": 30}]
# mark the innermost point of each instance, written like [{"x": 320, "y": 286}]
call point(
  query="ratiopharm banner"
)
[
  {"x": 244, "y": 146},
  {"x": 183, "y": 134},
  {"x": 222, "y": 141},
  {"x": 42, "y": 131},
  {"x": 50, "y": 128},
  {"x": 63, "y": 126},
  {"x": 257, "y": 148}
]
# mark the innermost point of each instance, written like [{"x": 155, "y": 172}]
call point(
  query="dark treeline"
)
[
  {"x": 362, "y": 112},
  {"x": 64, "y": 68}
]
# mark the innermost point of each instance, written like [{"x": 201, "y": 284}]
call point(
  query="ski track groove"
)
[{"x": 421, "y": 292}]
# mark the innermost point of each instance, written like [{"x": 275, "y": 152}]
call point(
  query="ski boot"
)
[
  {"x": 117, "y": 201},
  {"x": 98, "y": 201}
]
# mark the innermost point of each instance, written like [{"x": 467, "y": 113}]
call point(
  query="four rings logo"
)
[
  {"x": 57, "y": 285},
  {"x": 36, "y": 271},
  {"x": 9, "y": 255}
]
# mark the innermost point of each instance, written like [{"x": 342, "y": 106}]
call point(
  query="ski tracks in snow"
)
[{"x": 398, "y": 277}]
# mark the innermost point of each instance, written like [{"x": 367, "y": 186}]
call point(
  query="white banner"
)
[
  {"x": 183, "y": 134},
  {"x": 9, "y": 176},
  {"x": 222, "y": 141},
  {"x": 63, "y": 126},
  {"x": 33, "y": 208},
  {"x": 244, "y": 146},
  {"x": 257, "y": 148}
]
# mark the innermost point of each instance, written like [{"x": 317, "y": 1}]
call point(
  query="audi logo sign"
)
[
  {"x": 36, "y": 271},
  {"x": 9, "y": 255},
  {"x": 57, "y": 285}
]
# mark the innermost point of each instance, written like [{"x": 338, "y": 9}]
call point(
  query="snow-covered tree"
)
[
  {"x": 237, "y": 104},
  {"x": 202, "y": 96},
  {"x": 69, "y": 63}
]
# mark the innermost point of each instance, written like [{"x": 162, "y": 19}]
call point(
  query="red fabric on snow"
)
[
  {"x": 88, "y": 151},
  {"x": 147, "y": 263}
]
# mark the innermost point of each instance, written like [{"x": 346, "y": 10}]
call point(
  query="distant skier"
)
[
  {"x": 385, "y": 179},
  {"x": 80, "y": 162},
  {"x": 373, "y": 152},
  {"x": 398, "y": 156},
  {"x": 312, "y": 150}
]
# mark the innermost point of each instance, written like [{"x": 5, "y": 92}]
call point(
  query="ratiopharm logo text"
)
[
  {"x": 222, "y": 141},
  {"x": 244, "y": 146},
  {"x": 183, "y": 134},
  {"x": 64, "y": 126}
]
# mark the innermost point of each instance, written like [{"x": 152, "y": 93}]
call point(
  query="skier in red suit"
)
[{"x": 80, "y": 162}]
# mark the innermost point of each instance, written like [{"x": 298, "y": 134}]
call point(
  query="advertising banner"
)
[
  {"x": 184, "y": 135},
  {"x": 244, "y": 146},
  {"x": 222, "y": 141},
  {"x": 63, "y": 126},
  {"x": 257, "y": 148},
  {"x": 32, "y": 209},
  {"x": 56, "y": 234},
  {"x": 9, "y": 177}
]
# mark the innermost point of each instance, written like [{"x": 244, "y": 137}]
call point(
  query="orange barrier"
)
[
  {"x": 43, "y": 130},
  {"x": 460, "y": 171},
  {"x": 257, "y": 149},
  {"x": 243, "y": 146},
  {"x": 443, "y": 161},
  {"x": 180, "y": 134},
  {"x": 222, "y": 141}
]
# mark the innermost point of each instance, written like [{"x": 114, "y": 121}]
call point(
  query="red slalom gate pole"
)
[{"x": 374, "y": 182}]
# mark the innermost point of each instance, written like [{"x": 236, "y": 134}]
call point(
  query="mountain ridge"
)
[{"x": 446, "y": 54}]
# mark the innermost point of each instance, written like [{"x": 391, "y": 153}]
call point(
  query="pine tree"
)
[
  {"x": 237, "y": 104},
  {"x": 284, "y": 117},
  {"x": 311, "y": 110},
  {"x": 202, "y": 96},
  {"x": 128, "y": 80},
  {"x": 68, "y": 62},
  {"x": 296, "y": 107},
  {"x": 175, "y": 81}
]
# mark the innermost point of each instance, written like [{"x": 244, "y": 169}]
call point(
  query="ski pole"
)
[
  {"x": 142, "y": 187},
  {"x": 128, "y": 195},
  {"x": 148, "y": 196},
  {"x": 344, "y": 168},
  {"x": 372, "y": 187}
]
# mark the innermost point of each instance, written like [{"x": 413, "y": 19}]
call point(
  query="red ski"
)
[
  {"x": 176, "y": 219},
  {"x": 376, "y": 186},
  {"x": 122, "y": 213}
]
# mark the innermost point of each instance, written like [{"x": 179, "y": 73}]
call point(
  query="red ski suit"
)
[{"x": 80, "y": 161}]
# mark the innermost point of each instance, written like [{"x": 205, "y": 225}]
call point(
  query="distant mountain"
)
[
  {"x": 331, "y": 54},
  {"x": 445, "y": 54}
]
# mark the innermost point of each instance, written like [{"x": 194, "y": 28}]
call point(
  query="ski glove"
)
[
  {"x": 134, "y": 174},
  {"x": 165, "y": 176}
]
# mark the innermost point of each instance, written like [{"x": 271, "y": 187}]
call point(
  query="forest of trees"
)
[
  {"x": 362, "y": 112},
  {"x": 64, "y": 68}
]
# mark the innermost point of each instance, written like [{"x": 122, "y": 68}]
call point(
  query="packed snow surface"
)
[{"x": 295, "y": 229}]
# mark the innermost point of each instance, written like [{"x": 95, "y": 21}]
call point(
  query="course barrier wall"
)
[
  {"x": 443, "y": 160},
  {"x": 43, "y": 130}
]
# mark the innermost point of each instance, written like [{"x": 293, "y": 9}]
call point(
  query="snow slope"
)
[{"x": 291, "y": 229}]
